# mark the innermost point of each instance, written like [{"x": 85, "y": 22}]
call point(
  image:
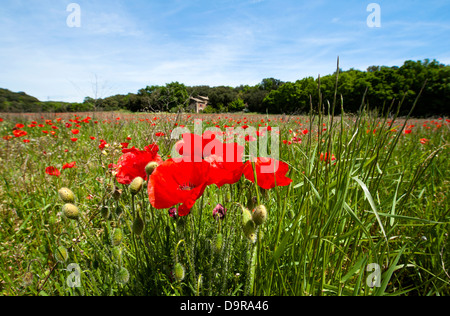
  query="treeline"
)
[
  {"x": 380, "y": 86},
  {"x": 20, "y": 102}
]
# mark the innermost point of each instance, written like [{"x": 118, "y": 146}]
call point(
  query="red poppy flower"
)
[
  {"x": 269, "y": 173},
  {"x": 178, "y": 182},
  {"x": 74, "y": 139},
  {"x": 52, "y": 171},
  {"x": 26, "y": 141},
  {"x": 75, "y": 131},
  {"x": 103, "y": 144},
  {"x": 326, "y": 157},
  {"x": 226, "y": 165},
  {"x": 133, "y": 162},
  {"x": 20, "y": 125},
  {"x": 194, "y": 147},
  {"x": 69, "y": 165},
  {"x": 1, "y": 120},
  {"x": 160, "y": 134}
]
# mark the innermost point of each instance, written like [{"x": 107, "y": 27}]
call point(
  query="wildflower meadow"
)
[{"x": 158, "y": 204}]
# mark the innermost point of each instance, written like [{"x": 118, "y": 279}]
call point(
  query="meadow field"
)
[{"x": 356, "y": 205}]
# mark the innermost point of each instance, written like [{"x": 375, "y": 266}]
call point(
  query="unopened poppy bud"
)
[
  {"x": 66, "y": 195},
  {"x": 119, "y": 210},
  {"x": 71, "y": 211},
  {"x": 28, "y": 279},
  {"x": 219, "y": 242},
  {"x": 122, "y": 276},
  {"x": 61, "y": 254},
  {"x": 178, "y": 272},
  {"x": 150, "y": 167},
  {"x": 105, "y": 212},
  {"x": 248, "y": 225},
  {"x": 136, "y": 185},
  {"x": 117, "y": 193},
  {"x": 117, "y": 237},
  {"x": 259, "y": 215},
  {"x": 138, "y": 226},
  {"x": 117, "y": 254}
]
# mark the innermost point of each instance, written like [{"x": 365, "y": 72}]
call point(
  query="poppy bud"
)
[
  {"x": 122, "y": 276},
  {"x": 138, "y": 226},
  {"x": 119, "y": 210},
  {"x": 219, "y": 212},
  {"x": 66, "y": 195},
  {"x": 117, "y": 193},
  {"x": 178, "y": 272},
  {"x": 150, "y": 167},
  {"x": 219, "y": 242},
  {"x": 117, "y": 237},
  {"x": 136, "y": 185},
  {"x": 259, "y": 215},
  {"x": 28, "y": 279},
  {"x": 117, "y": 254},
  {"x": 71, "y": 211},
  {"x": 105, "y": 212},
  {"x": 61, "y": 254}
]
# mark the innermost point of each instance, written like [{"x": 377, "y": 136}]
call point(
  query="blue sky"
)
[{"x": 123, "y": 46}]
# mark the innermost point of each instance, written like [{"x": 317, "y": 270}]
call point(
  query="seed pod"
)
[
  {"x": 138, "y": 226},
  {"x": 66, "y": 195},
  {"x": 178, "y": 272},
  {"x": 248, "y": 225},
  {"x": 117, "y": 237},
  {"x": 28, "y": 279},
  {"x": 119, "y": 210},
  {"x": 117, "y": 193},
  {"x": 219, "y": 242},
  {"x": 117, "y": 254},
  {"x": 136, "y": 185},
  {"x": 150, "y": 167},
  {"x": 122, "y": 276},
  {"x": 105, "y": 212},
  {"x": 259, "y": 215},
  {"x": 71, "y": 211},
  {"x": 61, "y": 254}
]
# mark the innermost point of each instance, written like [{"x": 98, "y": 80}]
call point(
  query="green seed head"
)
[
  {"x": 122, "y": 276},
  {"x": 117, "y": 193},
  {"x": 178, "y": 272},
  {"x": 219, "y": 242},
  {"x": 259, "y": 215},
  {"x": 136, "y": 185},
  {"x": 105, "y": 212},
  {"x": 61, "y": 254},
  {"x": 66, "y": 195},
  {"x": 117, "y": 237},
  {"x": 138, "y": 226},
  {"x": 248, "y": 225},
  {"x": 119, "y": 210},
  {"x": 71, "y": 211},
  {"x": 28, "y": 279},
  {"x": 117, "y": 254},
  {"x": 150, "y": 167}
]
